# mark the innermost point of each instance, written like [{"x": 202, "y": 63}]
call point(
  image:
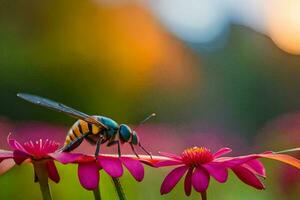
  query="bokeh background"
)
[{"x": 217, "y": 73}]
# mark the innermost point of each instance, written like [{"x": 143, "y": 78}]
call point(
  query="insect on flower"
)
[
  {"x": 94, "y": 129},
  {"x": 198, "y": 164}
]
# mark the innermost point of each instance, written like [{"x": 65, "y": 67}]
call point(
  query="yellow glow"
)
[
  {"x": 137, "y": 48},
  {"x": 284, "y": 25}
]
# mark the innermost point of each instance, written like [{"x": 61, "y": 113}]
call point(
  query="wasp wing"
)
[{"x": 59, "y": 107}]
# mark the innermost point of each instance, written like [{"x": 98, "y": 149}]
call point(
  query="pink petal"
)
[
  {"x": 170, "y": 155},
  {"x": 257, "y": 167},
  {"x": 52, "y": 171},
  {"x": 151, "y": 161},
  {"x": 65, "y": 157},
  {"x": 221, "y": 152},
  {"x": 200, "y": 179},
  {"x": 20, "y": 156},
  {"x": 168, "y": 163},
  {"x": 88, "y": 174},
  {"x": 134, "y": 167},
  {"x": 217, "y": 170},
  {"x": 6, "y": 165},
  {"x": 188, "y": 182},
  {"x": 235, "y": 161},
  {"x": 172, "y": 179},
  {"x": 248, "y": 177},
  {"x": 112, "y": 166},
  {"x": 5, "y": 154}
]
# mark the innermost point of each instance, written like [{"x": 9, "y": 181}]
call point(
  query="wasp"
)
[{"x": 94, "y": 129}]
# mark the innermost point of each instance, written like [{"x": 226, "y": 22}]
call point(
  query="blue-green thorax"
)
[{"x": 112, "y": 126}]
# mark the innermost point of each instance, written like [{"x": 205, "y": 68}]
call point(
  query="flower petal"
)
[
  {"x": 20, "y": 156},
  {"x": 221, "y": 152},
  {"x": 88, "y": 174},
  {"x": 235, "y": 161},
  {"x": 283, "y": 158},
  {"x": 200, "y": 179},
  {"x": 248, "y": 177},
  {"x": 170, "y": 155},
  {"x": 6, "y": 165},
  {"x": 112, "y": 166},
  {"x": 168, "y": 163},
  {"x": 134, "y": 167},
  {"x": 6, "y": 154},
  {"x": 172, "y": 179},
  {"x": 257, "y": 167},
  {"x": 65, "y": 157},
  {"x": 217, "y": 170},
  {"x": 188, "y": 182},
  {"x": 151, "y": 161},
  {"x": 52, "y": 171}
]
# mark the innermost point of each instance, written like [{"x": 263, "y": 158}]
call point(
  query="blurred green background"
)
[{"x": 239, "y": 90}]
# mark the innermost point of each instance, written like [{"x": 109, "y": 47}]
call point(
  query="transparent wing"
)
[{"x": 59, "y": 107}]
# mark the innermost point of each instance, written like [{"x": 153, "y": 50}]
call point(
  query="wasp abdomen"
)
[{"x": 79, "y": 129}]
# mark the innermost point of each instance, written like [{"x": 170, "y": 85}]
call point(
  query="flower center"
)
[
  {"x": 40, "y": 149},
  {"x": 196, "y": 156}
]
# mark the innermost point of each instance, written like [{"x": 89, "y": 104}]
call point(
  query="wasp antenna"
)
[{"x": 147, "y": 118}]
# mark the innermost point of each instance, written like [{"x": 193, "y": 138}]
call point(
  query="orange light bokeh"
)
[{"x": 284, "y": 25}]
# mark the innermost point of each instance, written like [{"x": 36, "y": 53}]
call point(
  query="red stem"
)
[{"x": 203, "y": 195}]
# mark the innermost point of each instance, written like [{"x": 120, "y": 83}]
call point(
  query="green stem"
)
[
  {"x": 46, "y": 193},
  {"x": 119, "y": 189},
  {"x": 97, "y": 195},
  {"x": 41, "y": 172}
]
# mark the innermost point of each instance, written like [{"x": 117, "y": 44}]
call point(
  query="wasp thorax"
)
[
  {"x": 196, "y": 156},
  {"x": 111, "y": 124}
]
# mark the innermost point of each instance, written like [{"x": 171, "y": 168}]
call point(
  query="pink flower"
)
[
  {"x": 89, "y": 166},
  {"x": 41, "y": 151},
  {"x": 198, "y": 164}
]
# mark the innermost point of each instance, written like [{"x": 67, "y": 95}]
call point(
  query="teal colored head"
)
[{"x": 128, "y": 135}]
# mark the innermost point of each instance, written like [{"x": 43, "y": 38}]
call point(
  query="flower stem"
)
[
  {"x": 46, "y": 193},
  {"x": 119, "y": 188},
  {"x": 203, "y": 195},
  {"x": 97, "y": 195},
  {"x": 41, "y": 172}
]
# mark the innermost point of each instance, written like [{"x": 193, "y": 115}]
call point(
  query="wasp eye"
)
[{"x": 125, "y": 132}]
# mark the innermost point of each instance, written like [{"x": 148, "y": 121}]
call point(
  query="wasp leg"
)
[
  {"x": 147, "y": 152},
  {"x": 115, "y": 142},
  {"x": 72, "y": 145},
  {"x": 132, "y": 148},
  {"x": 98, "y": 146}
]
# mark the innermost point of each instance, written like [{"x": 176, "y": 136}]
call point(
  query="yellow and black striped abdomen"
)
[{"x": 78, "y": 129}]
